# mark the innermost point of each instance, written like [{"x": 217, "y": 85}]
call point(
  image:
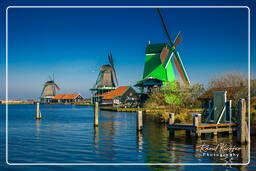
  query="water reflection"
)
[
  {"x": 105, "y": 142},
  {"x": 115, "y": 140},
  {"x": 139, "y": 141},
  {"x": 161, "y": 147},
  {"x": 38, "y": 127},
  {"x": 96, "y": 136}
]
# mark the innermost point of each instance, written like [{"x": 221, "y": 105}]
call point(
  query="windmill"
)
[
  {"x": 160, "y": 62},
  {"x": 107, "y": 79},
  {"x": 49, "y": 90}
]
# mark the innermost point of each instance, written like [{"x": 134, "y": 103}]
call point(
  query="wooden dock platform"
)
[
  {"x": 121, "y": 109},
  {"x": 203, "y": 128}
]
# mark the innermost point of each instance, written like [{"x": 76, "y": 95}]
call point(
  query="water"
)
[{"x": 66, "y": 135}]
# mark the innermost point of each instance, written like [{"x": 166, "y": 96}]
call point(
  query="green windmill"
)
[{"x": 160, "y": 62}]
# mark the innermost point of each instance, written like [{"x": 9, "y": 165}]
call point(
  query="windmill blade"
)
[
  {"x": 113, "y": 66},
  {"x": 110, "y": 58},
  {"x": 42, "y": 92},
  {"x": 98, "y": 79},
  {"x": 165, "y": 28},
  {"x": 164, "y": 55},
  {"x": 58, "y": 88},
  {"x": 53, "y": 76},
  {"x": 181, "y": 69},
  {"x": 114, "y": 71},
  {"x": 177, "y": 40}
]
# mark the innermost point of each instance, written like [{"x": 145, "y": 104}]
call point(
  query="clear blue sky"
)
[{"x": 73, "y": 43}]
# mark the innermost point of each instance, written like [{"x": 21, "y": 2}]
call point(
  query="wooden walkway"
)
[
  {"x": 117, "y": 109},
  {"x": 203, "y": 128}
]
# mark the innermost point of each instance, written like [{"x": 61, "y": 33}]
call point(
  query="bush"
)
[{"x": 173, "y": 97}]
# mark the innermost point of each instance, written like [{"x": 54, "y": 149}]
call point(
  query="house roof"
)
[
  {"x": 230, "y": 92},
  {"x": 65, "y": 96},
  {"x": 114, "y": 93}
]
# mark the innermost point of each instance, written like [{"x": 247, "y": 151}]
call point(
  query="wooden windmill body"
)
[
  {"x": 106, "y": 81},
  {"x": 49, "y": 91}
]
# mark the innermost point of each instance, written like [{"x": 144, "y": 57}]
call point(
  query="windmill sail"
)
[
  {"x": 167, "y": 53},
  {"x": 106, "y": 81},
  {"x": 105, "y": 78},
  {"x": 181, "y": 69},
  {"x": 107, "y": 75},
  {"x": 111, "y": 61},
  {"x": 49, "y": 89},
  {"x": 161, "y": 60}
]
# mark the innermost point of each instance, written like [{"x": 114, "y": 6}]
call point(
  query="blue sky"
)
[{"x": 73, "y": 43}]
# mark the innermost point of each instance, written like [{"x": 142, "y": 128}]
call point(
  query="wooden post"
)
[
  {"x": 38, "y": 113},
  {"x": 242, "y": 129},
  {"x": 196, "y": 119},
  {"x": 171, "y": 118},
  {"x": 230, "y": 111},
  {"x": 139, "y": 121},
  {"x": 171, "y": 122},
  {"x": 96, "y": 114}
]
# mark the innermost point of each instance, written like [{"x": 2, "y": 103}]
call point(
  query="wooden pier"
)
[
  {"x": 122, "y": 109},
  {"x": 203, "y": 128},
  {"x": 198, "y": 128}
]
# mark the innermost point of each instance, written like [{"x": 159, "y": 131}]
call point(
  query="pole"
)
[
  {"x": 38, "y": 113},
  {"x": 242, "y": 133},
  {"x": 171, "y": 118},
  {"x": 196, "y": 119},
  {"x": 96, "y": 114},
  {"x": 139, "y": 121}
]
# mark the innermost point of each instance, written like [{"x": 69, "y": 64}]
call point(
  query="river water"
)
[{"x": 66, "y": 135}]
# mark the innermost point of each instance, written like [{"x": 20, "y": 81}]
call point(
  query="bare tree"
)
[{"x": 228, "y": 80}]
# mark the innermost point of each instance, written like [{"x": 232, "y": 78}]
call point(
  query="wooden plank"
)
[
  {"x": 217, "y": 130},
  {"x": 216, "y": 125}
]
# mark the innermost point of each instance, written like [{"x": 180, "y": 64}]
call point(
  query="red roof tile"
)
[
  {"x": 65, "y": 96},
  {"x": 58, "y": 96},
  {"x": 114, "y": 93}
]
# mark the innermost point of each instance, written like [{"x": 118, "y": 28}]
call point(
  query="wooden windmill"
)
[
  {"x": 106, "y": 81},
  {"x": 49, "y": 90},
  {"x": 160, "y": 62}
]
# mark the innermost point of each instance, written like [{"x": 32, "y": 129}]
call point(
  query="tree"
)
[
  {"x": 174, "y": 97},
  {"x": 234, "y": 80},
  {"x": 227, "y": 80}
]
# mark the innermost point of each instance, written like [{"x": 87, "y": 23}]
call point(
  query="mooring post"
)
[
  {"x": 139, "y": 121},
  {"x": 96, "y": 114},
  {"x": 196, "y": 122},
  {"x": 196, "y": 119},
  {"x": 171, "y": 122},
  {"x": 242, "y": 131},
  {"x": 171, "y": 119},
  {"x": 38, "y": 113}
]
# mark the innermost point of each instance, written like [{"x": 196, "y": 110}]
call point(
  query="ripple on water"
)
[{"x": 66, "y": 134}]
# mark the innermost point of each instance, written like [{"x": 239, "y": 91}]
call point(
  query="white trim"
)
[
  {"x": 171, "y": 56},
  {"x": 150, "y": 54},
  {"x": 221, "y": 115}
]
